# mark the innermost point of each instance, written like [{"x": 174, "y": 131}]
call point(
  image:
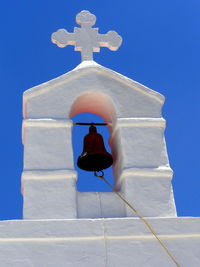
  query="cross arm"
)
[
  {"x": 111, "y": 39},
  {"x": 63, "y": 38}
]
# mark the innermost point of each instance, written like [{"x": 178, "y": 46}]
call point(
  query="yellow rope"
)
[{"x": 142, "y": 218}]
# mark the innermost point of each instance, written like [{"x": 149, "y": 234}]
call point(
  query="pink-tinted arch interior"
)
[{"x": 95, "y": 102}]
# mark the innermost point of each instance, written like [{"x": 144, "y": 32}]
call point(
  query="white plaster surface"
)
[
  {"x": 55, "y": 98},
  {"x": 99, "y": 205},
  {"x": 149, "y": 191},
  {"x": 142, "y": 142},
  {"x": 101, "y": 242},
  {"x": 49, "y": 194},
  {"x": 47, "y": 144}
]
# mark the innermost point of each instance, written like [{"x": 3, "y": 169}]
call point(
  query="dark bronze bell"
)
[{"x": 94, "y": 156}]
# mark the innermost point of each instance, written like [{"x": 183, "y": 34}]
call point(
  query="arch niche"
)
[{"x": 101, "y": 105}]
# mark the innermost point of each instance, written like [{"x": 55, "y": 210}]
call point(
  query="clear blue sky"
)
[{"x": 161, "y": 44}]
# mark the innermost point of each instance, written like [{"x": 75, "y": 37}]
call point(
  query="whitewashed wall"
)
[{"x": 137, "y": 141}]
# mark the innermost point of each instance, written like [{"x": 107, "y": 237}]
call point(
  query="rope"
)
[{"x": 141, "y": 217}]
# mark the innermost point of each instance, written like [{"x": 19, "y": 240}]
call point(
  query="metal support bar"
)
[{"x": 91, "y": 123}]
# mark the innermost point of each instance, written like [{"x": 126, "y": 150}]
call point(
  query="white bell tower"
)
[
  {"x": 63, "y": 227},
  {"x": 141, "y": 166}
]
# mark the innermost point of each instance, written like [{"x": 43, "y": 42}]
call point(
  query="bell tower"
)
[
  {"x": 133, "y": 111},
  {"x": 63, "y": 227}
]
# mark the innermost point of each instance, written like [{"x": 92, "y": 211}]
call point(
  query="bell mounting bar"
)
[{"x": 91, "y": 123}]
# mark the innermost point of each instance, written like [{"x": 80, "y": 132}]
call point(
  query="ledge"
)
[
  {"x": 48, "y": 175},
  {"x": 116, "y": 228},
  {"x": 107, "y": 242},
  {"x": 47, "y": 123},
  {"x": 141, "y": 122}
]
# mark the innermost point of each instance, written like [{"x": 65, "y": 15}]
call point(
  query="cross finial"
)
[{"x": 86, "y": 39}]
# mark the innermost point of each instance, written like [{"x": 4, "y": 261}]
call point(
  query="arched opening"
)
[{"x": 92, "y": 107}]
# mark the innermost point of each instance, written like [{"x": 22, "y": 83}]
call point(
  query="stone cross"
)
[{"x": 86, "y": 39}]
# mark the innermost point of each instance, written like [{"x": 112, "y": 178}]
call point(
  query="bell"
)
[{"x": 94, "y": 156}]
